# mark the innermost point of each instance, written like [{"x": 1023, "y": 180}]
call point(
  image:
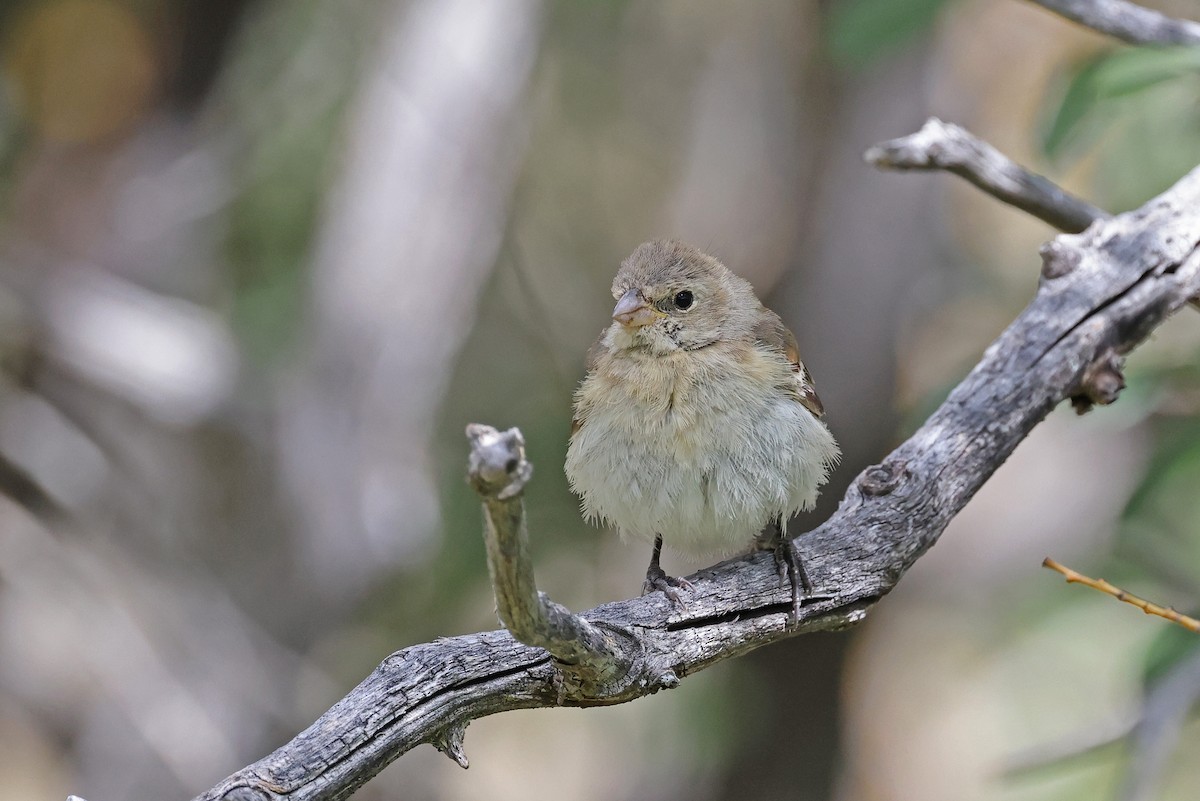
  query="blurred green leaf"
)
[
  {"x": 1108, "y": 76},
  {"x": 1175, "y": 462},
  {"x": 860, "y": 31},
  {"x": 1171, "y": 645},
  {"x": 282, "y": 154},
  {"x": 1080, "y": 97}
]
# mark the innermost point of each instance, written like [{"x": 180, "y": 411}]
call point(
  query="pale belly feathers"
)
[{"x": 696, "y": 458}]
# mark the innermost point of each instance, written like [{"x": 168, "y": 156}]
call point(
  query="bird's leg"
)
[
  {"x": 787, "y": 562},
  {"x": 657, "y": 578}
]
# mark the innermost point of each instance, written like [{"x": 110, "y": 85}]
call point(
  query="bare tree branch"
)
[
  {"x": 944, "y": 146},
  {"x": 1103, "y": 291},
  {"x": 498, "y": 471},
  {"x": 1126, "y": 21}
]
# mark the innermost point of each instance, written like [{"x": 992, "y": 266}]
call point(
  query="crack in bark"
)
[
  {"x": 740, "y": 615},
  {"x": 1092, "y": 314}
]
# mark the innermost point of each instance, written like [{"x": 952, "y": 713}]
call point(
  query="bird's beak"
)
[{"x": 632, "y": 310}]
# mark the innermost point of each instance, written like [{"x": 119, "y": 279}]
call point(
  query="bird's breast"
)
[
  {"x": 661, "y": 402},
  {"x": 683, "y": 408},
  {"x": 703, "y": 457}
]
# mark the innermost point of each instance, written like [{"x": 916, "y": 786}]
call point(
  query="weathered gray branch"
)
[
  {"x": 1102, "y": 292},
  {"x": 498, "y": 471},
  {"x": 1126, "y": 21},
  {"x": 944, "y": 146}
]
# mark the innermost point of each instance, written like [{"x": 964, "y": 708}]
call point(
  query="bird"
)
[{"x": 697, "y": 424}]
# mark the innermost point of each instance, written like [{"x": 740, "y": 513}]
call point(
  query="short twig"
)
[
  {"x": 1165, "y": 612},
  {"x": 945, "y": 146},
  {"x": 1126, "y": 21},
  {"x": 498, "y": 471}
]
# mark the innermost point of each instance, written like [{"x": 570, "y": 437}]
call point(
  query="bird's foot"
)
[
  {"x": 788, "y": 564},
  {"x": 658, "y": 580}
]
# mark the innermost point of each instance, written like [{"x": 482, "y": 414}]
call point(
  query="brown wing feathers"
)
[{"x": 771, "y": 331}]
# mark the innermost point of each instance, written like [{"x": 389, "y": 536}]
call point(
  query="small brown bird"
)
[{"x": 697, "y": 423}]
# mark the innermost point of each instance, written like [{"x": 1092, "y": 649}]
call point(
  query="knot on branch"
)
[
  {"x": 883, "y": 479},
  {"x": 497, "y": 467},
  {"x": 1101, "y": 383},
  {"x": 1058, "y": 258},
  {"x": 244, "y": 793},
  {"x": 667, "y": 680},
  {"x": 449, "y": 741}
]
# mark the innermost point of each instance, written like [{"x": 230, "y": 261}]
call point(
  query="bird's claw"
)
[
  {"x": 658, "y": 580},
  {"x": 788, "y": 564}
]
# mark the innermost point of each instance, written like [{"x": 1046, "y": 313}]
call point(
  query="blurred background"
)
[{"x": 261, "y": 261}]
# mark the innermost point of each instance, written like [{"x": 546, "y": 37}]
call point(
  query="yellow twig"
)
[{"x": 1189, "y": 623}]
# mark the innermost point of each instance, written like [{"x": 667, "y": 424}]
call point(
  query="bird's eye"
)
[{"x": 683, "y": 299}]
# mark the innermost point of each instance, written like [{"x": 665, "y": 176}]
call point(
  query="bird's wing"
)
[
  {"x": 589, "y": 364},
  {"x": 772, "y": 332}
]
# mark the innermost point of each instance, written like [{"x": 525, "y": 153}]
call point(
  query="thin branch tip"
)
[
  {"x": 910, "y": 151},
  {"x": 945, "y": 146},
  {"x": 496, "y": 466},
  {"x": 1100, "y": 585}
]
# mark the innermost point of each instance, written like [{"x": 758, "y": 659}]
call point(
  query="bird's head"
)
[{"x": 671, "y": 297}]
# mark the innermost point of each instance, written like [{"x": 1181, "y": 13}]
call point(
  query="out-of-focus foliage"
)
[
  {"x": 1132, "y": 115},
  {"x": 1137, "y": 112},
  {"x": 283, "y": 155},
  {"x": 1172, "y": 645},
  {"x": 1160, "y": 516},
  {"x": 860, "y": 32}
]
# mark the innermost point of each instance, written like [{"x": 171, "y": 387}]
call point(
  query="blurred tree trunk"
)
[{"x": 410, "y": 234}]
